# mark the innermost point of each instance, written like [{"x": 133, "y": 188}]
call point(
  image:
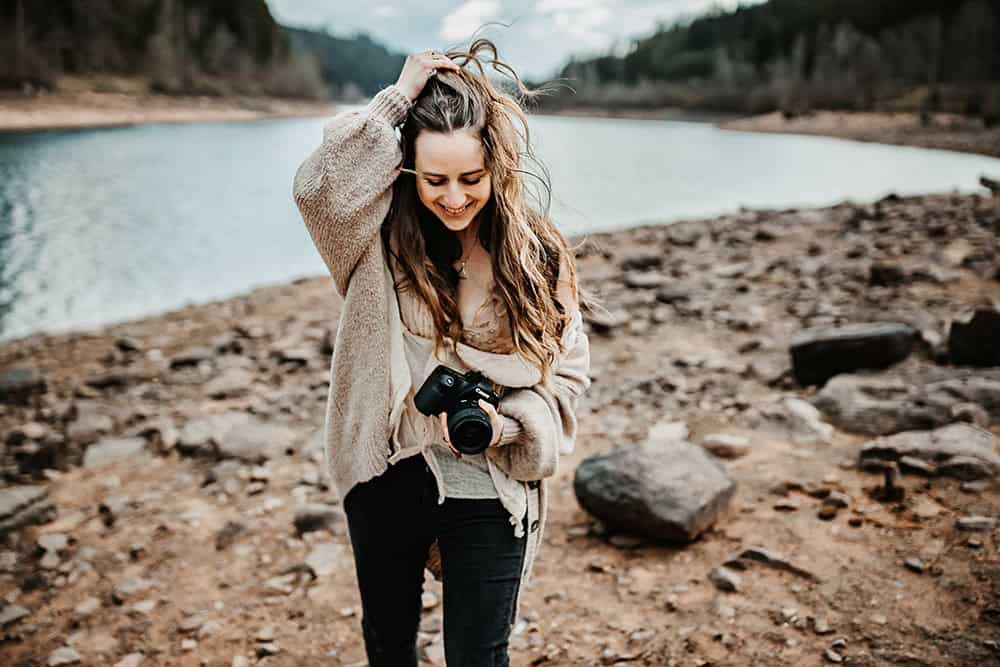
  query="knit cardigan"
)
[{"x": 343, "y": 190}]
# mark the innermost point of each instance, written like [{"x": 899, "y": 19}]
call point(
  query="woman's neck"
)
[{"x": 468, "y": 237}]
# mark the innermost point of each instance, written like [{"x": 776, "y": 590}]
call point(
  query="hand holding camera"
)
[{"x": 466, "y": 405}]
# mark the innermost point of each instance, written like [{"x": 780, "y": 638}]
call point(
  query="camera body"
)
[{"x": 447, "y": 390}]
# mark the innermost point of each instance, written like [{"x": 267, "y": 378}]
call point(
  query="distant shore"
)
[
  {"x": 943, "y": 131},
  {"x": 77, "y": 110},
  {"x": 89, "y": 109}
]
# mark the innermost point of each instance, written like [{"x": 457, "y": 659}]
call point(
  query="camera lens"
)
[{"x": 470, "y": 429}]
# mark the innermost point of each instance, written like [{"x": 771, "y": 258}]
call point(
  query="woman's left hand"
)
[{"x": 496, "y": 421}]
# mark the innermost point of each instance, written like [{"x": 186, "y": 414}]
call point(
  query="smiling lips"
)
[{"x": 456, "y": 212}]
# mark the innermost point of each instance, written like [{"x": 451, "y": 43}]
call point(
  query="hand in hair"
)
[{"x": 418, "y": 68}]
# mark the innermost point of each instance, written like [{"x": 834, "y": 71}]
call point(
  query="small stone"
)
[
  {"x": 977, "y": 487},
  {"x": 786, "y": 505},
  {"x": 269, "y": 648},
  {"x": 838, "y": 644},
  {"x": 914, "y": 564},
  {"x": 725, "y": 579},
  {"x": 87, "y": 607},
  {"x": 55, "y": 542},
  {"x": 209, "y": 628},
  {"x": 833, "y": 656},
  {"x": 821, "y": 626},
  {"x": 192, "y": 623},
  {"x": 917, "y": 466},
  {"x": 726, "y": 445},
  {"x": 880, "y": 619},
  {"x": 131, "y": 660},
  {"x": 626, "y": 541},
  {"x": 978, "y": 524},
  {"x": 827, "y": 512},
  {"x": 240, "y": 661},
  {"x": 11, "y": 613},
  {"x": 65, "y": 655},
  {"x": 837, "y": 499},
  {"x": 188, "y": 644}
]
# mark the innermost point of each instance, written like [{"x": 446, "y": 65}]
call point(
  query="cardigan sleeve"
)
[
  {"x": 344, "y": 188},
  {"x": 545, "y": 415}
]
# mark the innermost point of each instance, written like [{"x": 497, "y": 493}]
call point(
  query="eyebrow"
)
[{"x": 464, "y": 173}]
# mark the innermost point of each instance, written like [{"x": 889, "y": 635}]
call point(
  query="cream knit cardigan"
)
[{"x": 343, "y": 191}]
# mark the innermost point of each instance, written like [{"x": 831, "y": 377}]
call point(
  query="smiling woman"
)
[{"x": 421, "y": 238}]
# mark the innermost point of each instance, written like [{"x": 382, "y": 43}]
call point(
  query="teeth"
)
[{"x": 455, "y": 211}]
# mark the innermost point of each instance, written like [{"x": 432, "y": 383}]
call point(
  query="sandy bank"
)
[{"x": 89, "y": 109}]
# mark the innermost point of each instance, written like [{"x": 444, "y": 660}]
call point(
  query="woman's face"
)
[{"x": 453, "y": 180}]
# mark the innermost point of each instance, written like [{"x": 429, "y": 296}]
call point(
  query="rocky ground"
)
[
  {"x": 945, "y": 131},
  {"x": 165, "y": 502}
]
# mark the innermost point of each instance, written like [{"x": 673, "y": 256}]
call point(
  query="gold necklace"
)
[{"x": 461, "y": 270}]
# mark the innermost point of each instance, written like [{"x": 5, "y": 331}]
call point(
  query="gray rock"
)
[
  {"x": 24, "y": 505},
  {"x": 112, "y": 450},
  {"x": 976, "y": 524},
  {"x": 235, "y": 435},
  {"x": 53, "y": 542},
  {"x": 669, "y": 490},
  {"x": 19, "y": 383},
  {"x": 959, "y": 450},
  {"x": 684, "y": 234},
  {"x": 325, "y": 557},
  {"x": 973, "y": 340},
  {"x": 726, "y": 445},
  {"x": 673, "y": 294},
  {"x": 12, "y": 613},
  {"x": 65, "y": 655},
  {"x": 89, "y": 424},
  {"x": 317, "y": 516},
  {"x": 644, "y": 279},
  {"x": 231, "y": 382},
  {"x": 725, "y": 579},
  {"x": 192, "y": 357},
  {"x": 131, "y": 660},
  {"x": 821, "y": 353},
  {"x": 881, "y": 406},
  {"x": 129, "y": 587},
  {"x": 606, "y": 322},
  {"x": 87, "y": 607}
]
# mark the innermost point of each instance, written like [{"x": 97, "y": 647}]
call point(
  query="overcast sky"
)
[{"x": 542, "y": 33}]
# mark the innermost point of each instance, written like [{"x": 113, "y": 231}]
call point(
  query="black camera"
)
[{"x": 446, "y": 390}]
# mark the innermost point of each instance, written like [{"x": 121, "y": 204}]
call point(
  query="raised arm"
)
[{"x": 344, "y": 188}]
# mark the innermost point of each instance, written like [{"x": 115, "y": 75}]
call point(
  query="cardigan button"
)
[
  {"x": 534, "y": 525},
  {"x": 533, "y": 484}
]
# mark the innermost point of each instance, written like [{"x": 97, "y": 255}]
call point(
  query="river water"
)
[{"x": 104, "y": 225}]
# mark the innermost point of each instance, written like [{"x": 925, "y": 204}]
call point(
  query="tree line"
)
[
  {"x": 796, "y": 55},
  {"x": 181, "y": 47}
]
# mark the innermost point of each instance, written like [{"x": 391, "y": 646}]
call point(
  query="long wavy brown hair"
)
[{"x": 525, "y": 246}]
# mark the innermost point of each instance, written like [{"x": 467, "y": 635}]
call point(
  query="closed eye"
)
[{"x": 467, "y": 182}]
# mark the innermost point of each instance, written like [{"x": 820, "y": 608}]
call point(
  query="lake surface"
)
[{"x": 99, "y": 226}]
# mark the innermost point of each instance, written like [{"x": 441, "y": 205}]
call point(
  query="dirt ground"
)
[{"x": 755, "y": 279}]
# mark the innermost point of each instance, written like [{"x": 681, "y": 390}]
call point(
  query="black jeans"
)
[{"x": 393, "y": 519}]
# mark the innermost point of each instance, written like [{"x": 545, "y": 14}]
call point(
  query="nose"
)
[{"x": 455, "y": 197}]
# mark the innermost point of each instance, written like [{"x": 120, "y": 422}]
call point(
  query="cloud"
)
[{"x": 461, "y": 23}]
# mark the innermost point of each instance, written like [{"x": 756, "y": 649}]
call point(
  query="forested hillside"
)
[
  {"x": 351, "y": 66},
  {"x": 181, "y": 47},
  {"x": 802, "y": 54}
]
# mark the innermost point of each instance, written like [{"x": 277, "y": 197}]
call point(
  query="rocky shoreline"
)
[
  {"x": 165, "y": 501},
  {"x": 943, "y": 131},
  {"x": 86, "y": 109}
]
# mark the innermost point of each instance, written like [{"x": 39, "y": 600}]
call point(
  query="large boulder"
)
[
  {"x": 670, "y": 491},
  {"x": 975, "y": 341},
  {"x": 882, "y": 406},
  {"x": 820, "y": 353},
  {"x": 235, "y": 435},
  {"x": 958, "y": 450}
]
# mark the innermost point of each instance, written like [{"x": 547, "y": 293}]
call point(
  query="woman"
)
[{"x": 440, "y": 261}]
